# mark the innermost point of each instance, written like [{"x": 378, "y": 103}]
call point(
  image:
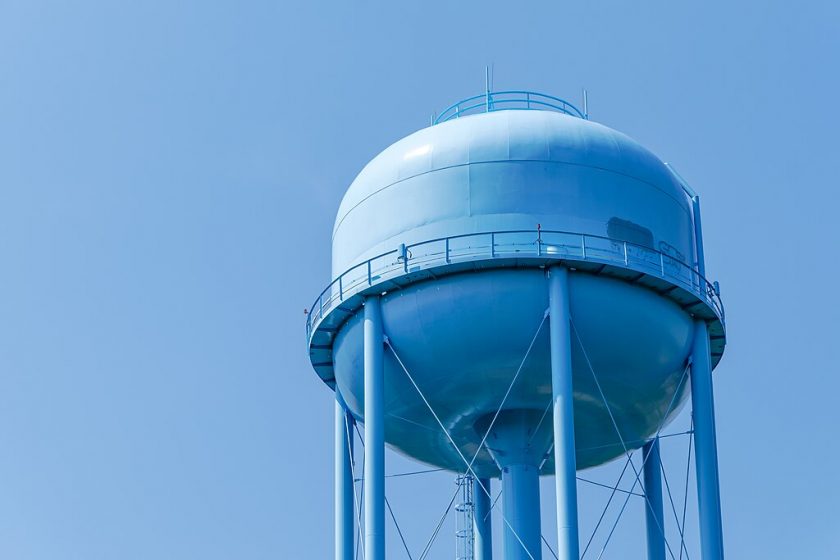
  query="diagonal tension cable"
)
[
  {"x": 621, "y": 438},
  {"x": 509, "y": 389},
  {"x": 680, "y": 528},
  {"x": 360, "y": 541},
  {"x": 687, "y": 473},
  {"x": 606, "y": 508},
  {"x": 397, "y": 525},
  {"x": 431, "y": 541},
  {"x": 452, "y": 441}
]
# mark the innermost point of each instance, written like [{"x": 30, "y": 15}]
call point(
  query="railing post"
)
[
  {"x": 625, "y": 253},
  {"x": 662, "y": 263},
  {"x": 583, "y": 246},
  {"x": 446, "y": 251},
  {"x": 585, "y": 106},
  {"x": 487, "y": 87},
  {"x": 698, "y": 236},
  {"x": 341, "y": 288},
  {"x": 368, "y": 271},
  {"x": 492, "y": 244},
  {"x": 403, "y": 255}
]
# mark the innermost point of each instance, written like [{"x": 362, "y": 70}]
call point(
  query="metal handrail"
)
[
  {"x": 505, "y": 100},
  {"x": 510, "y": 243}
]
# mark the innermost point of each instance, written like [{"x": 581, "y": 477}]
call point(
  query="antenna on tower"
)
[
  {"x": 487, "y": 88},
  {"x": 585, "y": 105}
]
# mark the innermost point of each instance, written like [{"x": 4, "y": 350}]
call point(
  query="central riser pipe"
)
[
  {"x": 518, "y": 450},
  {"x": 521, "y": 494},
  {"x": 483, "y": 544}
]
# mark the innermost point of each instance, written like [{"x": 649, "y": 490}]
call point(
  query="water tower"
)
[{"x": 517, "y": 292}]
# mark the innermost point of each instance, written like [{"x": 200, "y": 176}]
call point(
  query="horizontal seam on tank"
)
[{"x": 493, "y": 161}]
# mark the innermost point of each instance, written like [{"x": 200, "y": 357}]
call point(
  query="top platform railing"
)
[
  {"x": 505, "y": 100},
  {"x": 514, "y": 244}
]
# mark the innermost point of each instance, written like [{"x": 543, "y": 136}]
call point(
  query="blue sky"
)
[{"x": 169, "y": 174}]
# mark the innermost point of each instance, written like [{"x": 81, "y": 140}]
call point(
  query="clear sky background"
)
[{"x": 169, "y": 175}]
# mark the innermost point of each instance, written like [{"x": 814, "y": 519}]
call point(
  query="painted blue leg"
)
[
  {"x": 654, "y": 508},
  {"x": 374, "y": 432},
  {"x": 344, "y": 525},
  {"x": 564, "y": 427},
  {"x": 705, "y": 446}
]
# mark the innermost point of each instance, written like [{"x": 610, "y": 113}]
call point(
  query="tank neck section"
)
[{"x": 517, "y": 437}]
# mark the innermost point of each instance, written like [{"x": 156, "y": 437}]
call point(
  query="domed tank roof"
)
[{"x": 507, "y": 170}]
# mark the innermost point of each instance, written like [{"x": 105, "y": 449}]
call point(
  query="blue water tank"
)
[{"x": 456, "y": 224}]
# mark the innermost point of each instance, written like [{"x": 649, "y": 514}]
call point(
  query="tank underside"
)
[{"x": 463, "y": 338}]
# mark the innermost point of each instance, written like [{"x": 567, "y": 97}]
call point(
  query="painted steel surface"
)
[
  {"x": 442, "y": 244},
  {"x": 344, "y": 518},
  {"x": 654, "y": 509},
  {"x": 521, "y": 511},
  {"x": 705, "y": 444},
  {"x": 565, "y": 466},
  {"x": 462, "y": 338},
  {"x": 512, "y": 170},
  {"x": 483, "y": 526},
  {"x": 374, "y": 415},
  {"x": 518, "y": 451},
  {"x": 454, "y": 226},
  {"x": 513, "y": 248}
]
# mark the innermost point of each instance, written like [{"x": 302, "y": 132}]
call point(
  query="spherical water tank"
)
[{"x": 455, "y": 226}]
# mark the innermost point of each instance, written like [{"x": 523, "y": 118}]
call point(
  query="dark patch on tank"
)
[
  {"x": 625, "y": 230},
  {"x": 671, "y": 251},
  {"x": 674, "y": 262}
]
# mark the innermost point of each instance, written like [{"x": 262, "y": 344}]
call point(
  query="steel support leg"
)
[
  {"x": 374, "y": 431},
  {"x": 705, "y": 446},
  {"x": 655, "y": 512},
  {"x": 564, "y": 427},
  {"x": 344, "y": 525},
  {"x": 521, "y": 500},
  {"x": 483, "y": 545}
]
